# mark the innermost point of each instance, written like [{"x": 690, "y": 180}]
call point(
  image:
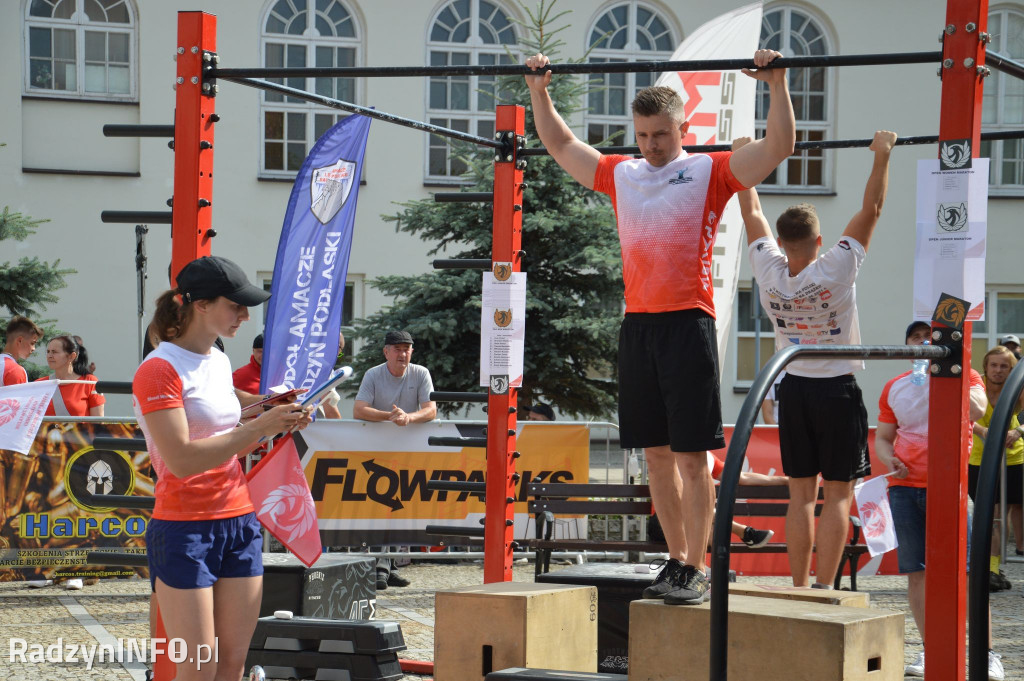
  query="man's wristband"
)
[{"x": 1020, "y": 430}]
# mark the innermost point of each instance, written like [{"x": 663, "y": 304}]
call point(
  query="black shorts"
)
[
  {"x": 1014, "y": 484},
  {"x": 668, "y": 381},
  {"x": 823, "y": 428}
]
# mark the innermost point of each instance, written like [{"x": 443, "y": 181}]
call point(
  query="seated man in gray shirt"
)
[{"x": 397, "y": 390}]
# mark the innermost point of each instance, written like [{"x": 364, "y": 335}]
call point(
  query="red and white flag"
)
[
  {"x": 22, "y": 408},
  {"x": 875, "y": 515},
  {"x": 284, "y": 504}
]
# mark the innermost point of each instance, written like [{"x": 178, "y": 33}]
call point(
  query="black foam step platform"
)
[
  {"x": 522, "y": 674},
  {"x": 286, "y": 664},
  {"x": 316, "y": 634}
]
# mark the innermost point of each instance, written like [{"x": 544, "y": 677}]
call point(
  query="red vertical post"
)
[
  {"x": 501, "y": 408},
  {"x": 193, "y": 141},
  {"x": 948, "y": 433}
]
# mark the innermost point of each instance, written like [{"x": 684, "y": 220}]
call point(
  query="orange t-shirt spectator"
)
[{"x": 69, "y": 361}]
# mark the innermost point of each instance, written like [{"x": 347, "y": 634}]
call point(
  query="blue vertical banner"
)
[{"x": 300, "y": 341}]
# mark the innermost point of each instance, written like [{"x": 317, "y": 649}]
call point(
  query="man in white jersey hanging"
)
[
  {"x": 667, "y": 208},
  {"x": 823, "y": 424}
]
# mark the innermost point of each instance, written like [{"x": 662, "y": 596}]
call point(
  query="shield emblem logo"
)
[
  {"x": 503, "y": 317},
  {"x": 329, "y": 188}
]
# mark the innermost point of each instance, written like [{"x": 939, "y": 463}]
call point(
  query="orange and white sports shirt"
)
[
  {"x": 11, "y": 373},
  {"x": 668, "y": 220},
  {"x": 175, "y": 378}
]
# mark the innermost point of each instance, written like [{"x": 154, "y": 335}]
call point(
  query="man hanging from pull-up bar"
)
[{"x": 667, "y": 208}]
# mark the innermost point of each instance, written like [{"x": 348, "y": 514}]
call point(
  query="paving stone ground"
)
[{"x": 116, "y": 609}]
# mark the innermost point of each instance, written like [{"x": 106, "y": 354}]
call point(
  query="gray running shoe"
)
[
  {"x": 693, "y": 590},
  {"x": 667, "y": 580}
]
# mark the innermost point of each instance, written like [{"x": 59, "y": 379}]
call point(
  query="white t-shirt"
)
[{"x": 816, "y": 307}]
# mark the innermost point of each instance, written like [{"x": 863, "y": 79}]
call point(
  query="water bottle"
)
[{"x": 919, "y": 376}]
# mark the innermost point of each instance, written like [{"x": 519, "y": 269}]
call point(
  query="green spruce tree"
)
[
  {"x": 574, "y": 271},
  {"x": 26, "y": 287}
]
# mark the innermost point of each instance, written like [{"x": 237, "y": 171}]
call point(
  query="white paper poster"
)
[
  {"x": 502, "y": 328},
  {"x": 952, "y": 223}
]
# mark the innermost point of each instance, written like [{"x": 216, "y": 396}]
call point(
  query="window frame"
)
[
  {"x": 473, "y": 47},
  {"x": 996, "y": 83},
  {"x": 80, "y": 24},
  {"x": 311, "y": 110},
  {"x": 631, "y": 52},
  {"x": 804, "y": 128}
]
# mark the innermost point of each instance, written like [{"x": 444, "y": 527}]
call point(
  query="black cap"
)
[
  {"x": 542, "y": 409},
  {"x": 914, "y": 326},
  {"x": 257, "y": 342},
  {"x": 397, "y": 338},
  {"x": 212, "y": 276}
]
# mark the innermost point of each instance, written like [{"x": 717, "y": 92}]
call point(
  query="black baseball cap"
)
[
  {"x": 914, "y": 326},
  {"x": 542, "y": 409},
  {"x": 211, "y": 276},
  {"x": 397, "y": 338}
]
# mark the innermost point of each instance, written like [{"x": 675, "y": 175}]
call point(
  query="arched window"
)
[
  {"x": 304, "y": 33},
  {"x": 80, "y": 49},
  {"x": 464, "y": 32},
  {"x": 628, "y": 31},
  {"x": 1003, "y": 106},
  {"x": 794, "y": 33}
]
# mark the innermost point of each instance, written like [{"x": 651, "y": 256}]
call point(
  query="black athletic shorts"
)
[
  {"x": 668, "y": 381},
  {"x": 1014, "y": 484},
  {"x": 823, "y": 428}
]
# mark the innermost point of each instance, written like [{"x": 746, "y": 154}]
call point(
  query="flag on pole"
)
[
  {"x": 22, "y": 407},
  {"x": 875, "y": 515},
  {"x": 720, "y": 107},
  {"x": 284, "y": 504},
  {"x": 300, "y": 341}
]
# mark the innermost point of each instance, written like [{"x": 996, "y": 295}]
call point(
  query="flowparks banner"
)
[
  {"x": 952, "y": 226},
  {"x": 300, "y": 341},
  {"x": 720, "y": 107}
]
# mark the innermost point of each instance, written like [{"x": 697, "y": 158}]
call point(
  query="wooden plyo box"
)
[
  {"x": 481, "y": 629},
  {"x": 851, "y": 599},
  {"x": 770, "y": 639}
]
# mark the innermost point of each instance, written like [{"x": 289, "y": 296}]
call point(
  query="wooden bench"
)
[{"x": 549, "y": 499}]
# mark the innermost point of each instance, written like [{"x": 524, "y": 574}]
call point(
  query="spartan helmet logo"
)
[{"x": 100, "y": 479}]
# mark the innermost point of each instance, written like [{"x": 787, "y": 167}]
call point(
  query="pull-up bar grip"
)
[
  {"x": 144, "y": 217},
  {"x": 443, "y": 396},
  {"x": 137, "y": 130},
  {"x": 585, "y": 67},
  {"x": 120, "y": 444},
  {"x": 462, "y": 264},
  {"x": 454, "y": 531},
  {"x": 457, "y": 486},
  {"x": 464, "y": 197},
  {"x": 441, "y": 441},
  {"x": 114, "y": 387}
]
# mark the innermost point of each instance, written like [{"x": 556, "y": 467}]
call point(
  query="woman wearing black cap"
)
[{"x": 203, "y": 540}]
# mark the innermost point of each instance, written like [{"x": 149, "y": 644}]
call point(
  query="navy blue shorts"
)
[
  {"x": 193, "y": 554},
  {"x": 908, "y": 505}
]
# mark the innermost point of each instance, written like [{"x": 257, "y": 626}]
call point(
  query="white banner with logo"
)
[
  {"x": 876, "y": 515},
  {"x": 952, "y": 226},
  {"x": 22, "y": 408},
  {"x": 502, "y": 328},
  {"x": 720, "y": 107}
]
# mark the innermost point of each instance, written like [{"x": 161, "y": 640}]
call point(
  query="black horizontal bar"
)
[
  {"x": 442, "y": 396},
  {"x": 463, "y": 197},
  {"x": 114, "y": 387},
  {"x": 137, "y": 130},
  {"x": 1004, "y": 64},
  {"x": 454, "y": 531},
  {"x": 117, "y": 501},
  {"x": 570, "y": 489},
  {"x": 584, "y": 67},
  {"x": 462, "y": 264},
  {"x": 440, "y": 441},
  {"x": 457, "y": 486},
  {"x": 822, "y": 144},
  {"x": 120, "y": 444},
  {"x": 142, "y": 217},
  {"x": 591, "y": 507},
  {"x": 111, "y": 558},
  {"x": 369, "y": 113}
]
